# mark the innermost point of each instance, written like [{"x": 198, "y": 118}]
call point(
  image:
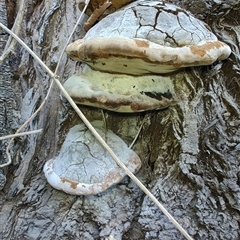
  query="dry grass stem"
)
[
  {"x": 137, "y": 135},
  {"x": 19, "y": 135}
]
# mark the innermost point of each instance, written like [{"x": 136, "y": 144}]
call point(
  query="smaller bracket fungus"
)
[
  {"x": 148, "y": 37},
  {"x": 83, "y": 166},
  {"x": 120, "y": 93}
]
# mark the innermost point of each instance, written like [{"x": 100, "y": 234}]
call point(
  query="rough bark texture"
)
[{"x": 190, "y": 151}]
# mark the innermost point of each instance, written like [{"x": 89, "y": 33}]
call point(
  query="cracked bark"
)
[{"x": 190, "y": 152}]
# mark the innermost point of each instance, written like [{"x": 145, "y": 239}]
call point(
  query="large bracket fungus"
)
[
  {"x": 83, "y": 167},
  {"x": 137, "y": 56},
  {"x": 143, "y": 38}
]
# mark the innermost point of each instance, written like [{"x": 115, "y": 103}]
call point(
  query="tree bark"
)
[{"x": 190, "y": 151}]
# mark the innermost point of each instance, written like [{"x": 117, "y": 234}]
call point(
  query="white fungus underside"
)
[
  {"x": 118, "y": 88},
  {"x": 84, "y": 167}
]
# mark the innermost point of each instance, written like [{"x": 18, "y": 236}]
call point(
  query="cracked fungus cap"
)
[
  {"x": 83, "y": 167},
  {"x": 120, "y": 93},
  {"x": 148, "y": 37}
]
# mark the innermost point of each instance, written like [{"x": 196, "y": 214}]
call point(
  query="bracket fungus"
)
[
  {"x": 137, "y": 56},
  {"x": 120, "y": 93},
  {"x": 148, "y": 37},
  {"x": 143, "y": 38},
  {"x": 83, "y": 167}
]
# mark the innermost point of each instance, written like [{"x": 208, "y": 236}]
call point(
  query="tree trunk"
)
[{"x": 190, "y": 151}]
